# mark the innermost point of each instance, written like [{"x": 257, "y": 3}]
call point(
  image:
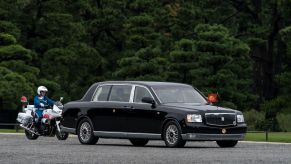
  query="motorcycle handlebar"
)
[{"x": 46, "y": 107}]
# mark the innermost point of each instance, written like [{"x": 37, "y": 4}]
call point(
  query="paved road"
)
[{"x": 17, "y": 149}]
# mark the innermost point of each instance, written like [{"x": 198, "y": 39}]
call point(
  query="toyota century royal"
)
[{"x": 141, "y": 111}]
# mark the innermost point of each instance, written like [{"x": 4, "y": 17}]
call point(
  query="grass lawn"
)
[
  {"x": 272, "y": 137},
  {"x": 11, "y": 130}
]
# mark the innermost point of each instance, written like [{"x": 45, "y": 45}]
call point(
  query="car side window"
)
[
  {"x": 102, "y": 93},
  {"x": 120, "y": 93},
  {"x": 139, "y": 93}
]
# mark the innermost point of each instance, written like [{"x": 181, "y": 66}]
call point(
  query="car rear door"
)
[
  {"x": 119, "y": 100},
  {"x": 101, "y": 110}
]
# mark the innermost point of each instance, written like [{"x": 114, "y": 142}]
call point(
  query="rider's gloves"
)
[{"x": 41, "y": 104}]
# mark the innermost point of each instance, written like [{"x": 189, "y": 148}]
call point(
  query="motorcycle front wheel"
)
[
  {"x": 62, "y": 135},
  {"x": 30, "y": 135}
]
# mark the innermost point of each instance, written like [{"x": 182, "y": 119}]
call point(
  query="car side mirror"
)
[
  {"x": 148, "y": 100},
  {"x": 212, "y": 97}
]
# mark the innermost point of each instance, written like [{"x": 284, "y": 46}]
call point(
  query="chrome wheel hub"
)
[
  {"x": 85, "y": 131},
  {"x": 172, "y": 134}
]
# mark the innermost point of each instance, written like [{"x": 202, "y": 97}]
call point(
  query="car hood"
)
[{"x": 200, "y": 107}]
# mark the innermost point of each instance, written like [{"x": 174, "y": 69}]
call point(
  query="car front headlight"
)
[
  {"x": 240, "y": 118},
  {"x": 194, "y": 118}
]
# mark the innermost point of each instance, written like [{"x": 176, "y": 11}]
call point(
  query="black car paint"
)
[{"x": 141, "y": 117}]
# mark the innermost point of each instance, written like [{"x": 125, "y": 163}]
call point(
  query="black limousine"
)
[{"x": 141, "y": 111}]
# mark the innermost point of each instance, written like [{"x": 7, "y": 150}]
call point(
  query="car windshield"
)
[{"x": 179, "y": 94}]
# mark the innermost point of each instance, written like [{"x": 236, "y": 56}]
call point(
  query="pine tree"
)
[
  {"x": 223, "y": 65},
  {"x": 143, "y": 58},
  {"x": 17, "y": 77}
]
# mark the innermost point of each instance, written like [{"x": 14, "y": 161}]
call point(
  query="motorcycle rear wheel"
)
[{"x": 30, "y": 135}]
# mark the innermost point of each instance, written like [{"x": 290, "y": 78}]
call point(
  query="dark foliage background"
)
[{"x": 238, "y": 48}]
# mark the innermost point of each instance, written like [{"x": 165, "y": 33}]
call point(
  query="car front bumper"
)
[
  {"x": 202, "y": 132},
  {"x": 212, "y": 137}
]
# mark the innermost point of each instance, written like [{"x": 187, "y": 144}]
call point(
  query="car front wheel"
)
[
  {"x": 85, "y": 133},
  {"x": 224, "y": 144},
  {"x": 172, "y": 135}
]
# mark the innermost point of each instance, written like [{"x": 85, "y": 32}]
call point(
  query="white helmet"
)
[{"x": 41, "y": 88}]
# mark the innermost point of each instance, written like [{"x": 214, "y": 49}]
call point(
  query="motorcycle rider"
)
[{"x": 41, "y": 101}]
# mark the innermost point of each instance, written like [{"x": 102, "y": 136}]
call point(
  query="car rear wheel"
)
[
  {"x": 172, "y": 135},
  {"x": 139, "y": 142},
  {"x": 85, "y": 133},
  {"x": 226, "y": 143}
]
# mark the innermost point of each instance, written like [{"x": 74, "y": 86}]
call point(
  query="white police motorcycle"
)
[{"x": 49, "y": 124}]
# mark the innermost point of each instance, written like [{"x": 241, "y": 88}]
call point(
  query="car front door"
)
[{"x": 143, "y": 117}]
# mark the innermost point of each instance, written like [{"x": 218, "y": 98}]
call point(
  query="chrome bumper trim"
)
[
  {"x": 106, "y": 134},
  {"x": 212, "y": 137}
]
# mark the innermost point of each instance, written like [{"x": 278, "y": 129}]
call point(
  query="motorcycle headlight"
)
[
  {"x": 240, "y": 118},
  {"x": 194, "y": 118}
]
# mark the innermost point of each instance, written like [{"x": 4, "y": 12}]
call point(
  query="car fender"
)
[
  {"x": 81, "y": 118},
  {"x": 168, "y": 119}
]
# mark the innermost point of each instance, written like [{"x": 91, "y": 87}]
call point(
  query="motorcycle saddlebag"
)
[{"x": 24, "y": 118}]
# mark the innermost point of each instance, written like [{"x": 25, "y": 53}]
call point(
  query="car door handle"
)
[{"x": 128, "y": 107}]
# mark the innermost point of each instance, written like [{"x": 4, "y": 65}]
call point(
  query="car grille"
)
[{"x": 220, "y": 119}]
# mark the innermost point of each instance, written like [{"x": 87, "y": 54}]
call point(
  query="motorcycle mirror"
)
[{"x": 61, "y": 99}]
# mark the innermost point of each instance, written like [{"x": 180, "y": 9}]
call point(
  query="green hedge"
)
[
  {"x": 284, "y": 121},
  {"x": 256, "y": 121}
]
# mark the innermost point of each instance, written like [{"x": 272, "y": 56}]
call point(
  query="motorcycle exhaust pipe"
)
[{"x": 28, "y": 129}]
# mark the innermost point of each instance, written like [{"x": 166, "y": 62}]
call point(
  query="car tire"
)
[
  {"x": 85, "y": 133},
  {"x": 224, "y": 144},
  {"x": 172, "y": 135},
  {"x": 139, "y": 142}
]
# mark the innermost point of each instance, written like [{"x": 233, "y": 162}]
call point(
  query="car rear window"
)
[{"x": 102, "y": 93}]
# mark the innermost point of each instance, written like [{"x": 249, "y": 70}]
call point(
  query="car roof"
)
[{"x": 147, "y": 83}]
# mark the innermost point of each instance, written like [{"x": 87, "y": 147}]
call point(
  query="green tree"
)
[
  {"x": 143, "y": 57},
  {"x": 223, "y": 65},
  {"x": 17, "y": 77},
  {"x": 182, "y": 60},
  {"x": 281, "y": 103},
  {"x": 73, "y": 69}
]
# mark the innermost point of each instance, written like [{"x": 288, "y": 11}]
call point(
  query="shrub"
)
[
  {"x": 255, "y": 120},
  {"x": 284, "y": 121}
]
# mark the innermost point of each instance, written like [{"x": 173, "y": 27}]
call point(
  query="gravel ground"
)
[{"x": 17, "y": 149}]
